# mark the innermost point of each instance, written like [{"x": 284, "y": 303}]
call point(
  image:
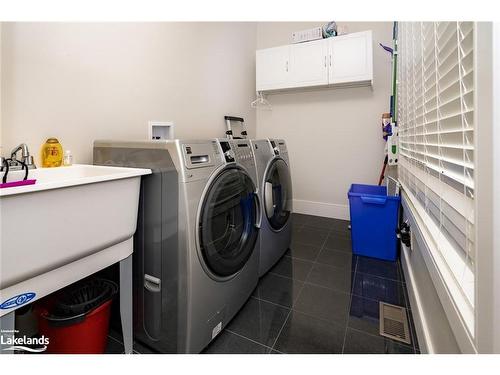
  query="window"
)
[{"x": 436, "y": 137}]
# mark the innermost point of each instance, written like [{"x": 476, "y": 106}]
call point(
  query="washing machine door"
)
[
  {"x": 277, "y": 192},
  {"x": 228, "y": 222}
]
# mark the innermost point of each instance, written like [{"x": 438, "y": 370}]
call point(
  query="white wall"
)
[
  {"x": 496, "y": 186},
  {"x": 80, "y": 82},
  {"x": 333, "y": 135}
]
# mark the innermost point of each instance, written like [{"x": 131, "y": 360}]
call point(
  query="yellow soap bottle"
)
[{"x": 52, "y": 153}]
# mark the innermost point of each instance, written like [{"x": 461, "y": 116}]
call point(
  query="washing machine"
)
[
  {"x": 275, "y": 193},
  {"x": 195, "y": 250}
]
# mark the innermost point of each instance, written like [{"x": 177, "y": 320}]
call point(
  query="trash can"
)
[
  {"x": 76, "y": 319},
  {"x": 374, "y": 220}
]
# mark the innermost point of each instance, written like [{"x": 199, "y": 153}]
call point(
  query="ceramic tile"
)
[
  {"x": 316, "y": 280},
  {"x": 278, "y": 289},
  {"x": 357, "y": 342},
  {"x": 340, "y": 279},
  {"x": 323, "y": 303},
  {"x": 336, "y": 258},
  {"x": 364, "y": 315},
  {"x": 309, "y": 236},
  {"x": 142, "y": 349},
  {"x": 113, "y": 346},
  {"x": 379, "y": 289},
  {"x": 304, "y": 334},
  {"x": 320, "y": 222},
  {"x": 300, "y": 219},
  {"x": 339, "y": 241},
  {"x": 259, "y": 321},
  {"x": 380, "y": 268},
  {"x": 313, "y": 221},
  {"x": 303, "y": 251},
  {"x": 341, "y": 226},
  {"x": 230, "y": 343},
  {"x": 296, "y": 269}
]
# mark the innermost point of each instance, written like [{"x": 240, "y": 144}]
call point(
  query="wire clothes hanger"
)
[{"x": 261, "y": 102}]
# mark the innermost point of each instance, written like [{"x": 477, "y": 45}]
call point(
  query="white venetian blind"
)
[{"x": 435, "y": 118}]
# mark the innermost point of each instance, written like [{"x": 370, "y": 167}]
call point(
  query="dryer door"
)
[
  {"x": 278, "y": 194},
  {"x": 227, "y": 223}
]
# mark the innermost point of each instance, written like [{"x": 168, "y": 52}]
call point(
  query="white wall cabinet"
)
[
  {"x": 272, "y": 68},
  {"x": 343, "y": 60},
  {"x": 308, "y": 64},
  {"x": 351, "y": 58}
]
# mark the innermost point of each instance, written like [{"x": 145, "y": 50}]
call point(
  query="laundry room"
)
[{"x": 249, "y": 185}]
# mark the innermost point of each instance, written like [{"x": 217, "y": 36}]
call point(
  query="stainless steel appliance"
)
[
  {"x": 275, "y": 192},
  {"x": 196, "y": 250}
]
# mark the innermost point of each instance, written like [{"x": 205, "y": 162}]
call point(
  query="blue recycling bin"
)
[{"x": 374, "y": 220}]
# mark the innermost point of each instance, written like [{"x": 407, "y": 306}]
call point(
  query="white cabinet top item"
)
[{"x": 345, "y": 60}]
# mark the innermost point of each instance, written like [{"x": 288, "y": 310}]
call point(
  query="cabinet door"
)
[
  {"x": 351, "y": 58},
  {"x": 308, "y": 63},
  {"x": 272, "y": 68}
]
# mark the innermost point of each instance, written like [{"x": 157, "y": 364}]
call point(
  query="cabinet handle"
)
[
  {"x": 330, "y": 60},
  {"x": 287, "y": 66},
  {"x": 325, "y": 61}
]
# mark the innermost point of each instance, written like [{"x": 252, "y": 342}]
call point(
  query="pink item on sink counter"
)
[{"x": 17, "y": 183}]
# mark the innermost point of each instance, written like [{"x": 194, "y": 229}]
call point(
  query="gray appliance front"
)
[
  {"x": 180, "y": 303},
  {"x": 160, "y": 304},
  {"x": 223, "y": 263},
  {"x": 275, "y": 189}
]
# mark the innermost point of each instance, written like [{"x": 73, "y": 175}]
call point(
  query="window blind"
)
[{"x": 436, "y": 136}]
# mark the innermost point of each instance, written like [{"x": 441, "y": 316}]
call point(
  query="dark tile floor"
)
[{"x": 319, "y": 298}]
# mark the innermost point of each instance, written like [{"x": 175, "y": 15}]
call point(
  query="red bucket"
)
[{"x": 84, "y": 332}]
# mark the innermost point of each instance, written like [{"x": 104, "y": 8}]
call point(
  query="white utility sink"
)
[{"x": 71, "y": 223}]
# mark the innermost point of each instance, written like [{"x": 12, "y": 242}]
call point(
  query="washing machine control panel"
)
[
  {"x": 227, "y": 151},
  {"x": 243, "y": 153},
  {"x": 275, "y": 148}
]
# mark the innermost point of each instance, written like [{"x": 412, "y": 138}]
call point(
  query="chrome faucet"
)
[{"x": 15, "y": 163}]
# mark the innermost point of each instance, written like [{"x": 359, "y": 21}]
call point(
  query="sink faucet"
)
[{"x": 14, "y": 163}]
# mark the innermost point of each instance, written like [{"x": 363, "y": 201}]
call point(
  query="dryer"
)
[
  {"x": 195, "y": 253},
  {"x": 275, "y": 193}
]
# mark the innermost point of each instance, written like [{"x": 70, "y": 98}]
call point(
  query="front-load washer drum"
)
[
  {"x": 278, "y": 194},
  {"x": 227, "y": 223}
]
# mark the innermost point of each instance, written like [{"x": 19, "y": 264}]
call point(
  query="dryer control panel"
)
[{"x": 279, "y": 148}]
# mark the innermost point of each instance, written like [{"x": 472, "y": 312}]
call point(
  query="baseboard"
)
[
  {"x": 421, "y": 326},
  {"x": 335, "y": 211},
  {"x": 435, "y": 325}
]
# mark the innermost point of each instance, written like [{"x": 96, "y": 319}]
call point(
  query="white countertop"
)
[{"x": 77, "y": 174}]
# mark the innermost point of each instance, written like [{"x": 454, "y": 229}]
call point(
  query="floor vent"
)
[{"x": 394, "y": 323}]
